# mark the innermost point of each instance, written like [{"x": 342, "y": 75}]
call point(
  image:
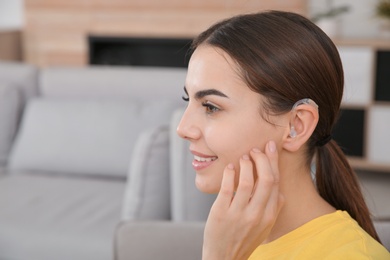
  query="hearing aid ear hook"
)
[{"x": 308, "y": 101}]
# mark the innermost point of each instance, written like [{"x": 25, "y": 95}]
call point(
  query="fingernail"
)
[
  {"x": 245, "y": 157},
  {"x": 256, "y": 150},
  {"x": 230, "y": 166},
  {"x": 272, "y": 146}
]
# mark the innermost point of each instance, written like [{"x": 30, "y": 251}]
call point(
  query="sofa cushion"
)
[
  {"x": 148, "y": 194},
  {"x": 83, "y": 136},
  {"x": 9, "y": 110},
  {"x": 51, "y": 217}
]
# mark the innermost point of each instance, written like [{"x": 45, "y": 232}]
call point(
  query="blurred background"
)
[
  {"x": 131, "y": 32},
  {"x": 56, "y": 31},
  {"x": 156, "y": 33}
]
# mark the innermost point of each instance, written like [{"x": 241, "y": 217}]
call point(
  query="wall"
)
[
  {"x": 11, "y": 24},
  {"x": 56, "y": 30},
  {"x": 11, "y": 14}
]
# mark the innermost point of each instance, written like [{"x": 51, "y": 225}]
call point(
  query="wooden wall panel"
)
[
  {"x": 10, "y": 45},
  {"x": 56, "y": 30}
]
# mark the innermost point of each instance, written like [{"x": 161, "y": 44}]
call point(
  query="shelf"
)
[
  {"x": 362, "y": 130},
  {"x": 382, "y": 103},
  {"x": 377, "y": 43},
  {"x": 363, "y": 164}
]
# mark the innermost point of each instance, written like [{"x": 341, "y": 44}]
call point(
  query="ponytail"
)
[{"x": 337, "y": 183}]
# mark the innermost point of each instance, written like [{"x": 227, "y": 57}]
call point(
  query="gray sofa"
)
[
  {"x": 82, "y": 149},
  {"x": 91, "y": 166}
]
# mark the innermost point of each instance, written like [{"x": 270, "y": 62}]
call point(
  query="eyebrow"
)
[{"x": 207, "y": 92}]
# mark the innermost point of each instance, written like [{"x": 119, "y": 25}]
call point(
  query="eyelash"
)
[{"x": 210, "y": 108}]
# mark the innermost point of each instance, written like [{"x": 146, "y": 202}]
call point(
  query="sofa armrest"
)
[
  {"x": 158, "y": 240},
  {"x": 383, "y": 229}
]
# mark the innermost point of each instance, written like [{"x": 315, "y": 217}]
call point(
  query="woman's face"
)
[{"x": 223, "y": 119}]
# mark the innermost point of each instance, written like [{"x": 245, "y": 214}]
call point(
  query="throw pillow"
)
[
  {"x": 85, "y": 137},
  {"x": 147, "y": 194}
]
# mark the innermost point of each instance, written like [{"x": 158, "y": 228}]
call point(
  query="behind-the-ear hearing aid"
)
[{"x": 293, "y": 132}]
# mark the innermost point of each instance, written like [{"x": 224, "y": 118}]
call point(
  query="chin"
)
[{"x": 206, "y": 186}]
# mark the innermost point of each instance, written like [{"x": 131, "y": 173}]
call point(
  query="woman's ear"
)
[{"x": 303, "y": 121}]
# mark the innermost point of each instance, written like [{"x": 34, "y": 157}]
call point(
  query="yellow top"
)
[{"x": 332, "y": 236}]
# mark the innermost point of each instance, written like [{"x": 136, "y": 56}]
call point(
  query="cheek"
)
[
  {"x": 230, "y": 141},
  {"x": 233, "y": 141},
  {"x": 224, "y": 142}
]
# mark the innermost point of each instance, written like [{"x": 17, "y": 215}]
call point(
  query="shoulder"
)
[
  {"x": 332, "y": 236},
  {"x": 345, "y": 239}
]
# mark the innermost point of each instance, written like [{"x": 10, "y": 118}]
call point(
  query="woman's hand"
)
[{"x": 239, "y": 222}]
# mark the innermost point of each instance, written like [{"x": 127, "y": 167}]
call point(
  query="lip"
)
[{"x": 199, "y": 165}]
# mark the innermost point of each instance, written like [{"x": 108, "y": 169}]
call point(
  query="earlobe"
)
[{"x": 304, "y": 119}]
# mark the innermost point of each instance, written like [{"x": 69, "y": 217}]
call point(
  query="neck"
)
[{"x": 302, "y": 201}]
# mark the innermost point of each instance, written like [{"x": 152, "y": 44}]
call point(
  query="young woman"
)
[{"x": 264, "y": 92}]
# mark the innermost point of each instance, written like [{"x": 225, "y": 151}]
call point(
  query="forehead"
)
[{"x": 211, "y": 67}]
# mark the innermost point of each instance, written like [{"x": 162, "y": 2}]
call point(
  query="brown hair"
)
[{"x": 285, "y": 57}]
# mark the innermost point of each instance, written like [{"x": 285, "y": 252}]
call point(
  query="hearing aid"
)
[
  {"x": 308, "y": 101},
  {"x": 293, "y": 133}
]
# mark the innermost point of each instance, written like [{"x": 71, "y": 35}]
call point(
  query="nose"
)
[{"x": 187, "y": 128}]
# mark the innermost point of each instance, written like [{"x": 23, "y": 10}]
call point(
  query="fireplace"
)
[{"x": 127, "y": 51}]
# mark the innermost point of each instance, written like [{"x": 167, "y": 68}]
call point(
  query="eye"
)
[{"x": 210, "y": 108}]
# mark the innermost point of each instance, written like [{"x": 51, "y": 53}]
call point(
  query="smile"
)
[
  {"x": 200, "y": 163},
  {"x": 201, "y": 159}
]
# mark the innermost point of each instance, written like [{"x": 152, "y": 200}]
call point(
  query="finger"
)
[
  {"x": 273, "y": 208},
  {"x": 273, "y": 158},
  {"x": 274, "y": 205},
  {"x": 274, "y": 202},
  {"x": 245, "y": 184},
  {"x": 271, "y": 152},
  {"x": 226, "y": 192},
  {"x": 265, "y": 180}
]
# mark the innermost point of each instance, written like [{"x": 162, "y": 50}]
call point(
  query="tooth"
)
[{"x": 201, "y": 159}]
